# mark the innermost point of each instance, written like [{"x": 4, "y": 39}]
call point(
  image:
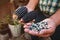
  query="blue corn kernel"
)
[{"x": 39, "y": 26}]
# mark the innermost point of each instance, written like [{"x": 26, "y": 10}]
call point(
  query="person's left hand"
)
[{"x": 44, "y": 32}]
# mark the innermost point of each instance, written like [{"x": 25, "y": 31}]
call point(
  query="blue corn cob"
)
[
  {"x": 21, "y": 11},
  {"x": 30, "y": 16}
]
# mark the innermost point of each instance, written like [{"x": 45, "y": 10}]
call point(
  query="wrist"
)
[
  {"x": 56, "y": 17},
  {"x": 29, "y": 8},
  {"x": 54, "y": 21}
]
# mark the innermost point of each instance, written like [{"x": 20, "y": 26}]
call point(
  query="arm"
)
[
  {"x": 32, "y": 4},
  {"x": 53, "y": 22},
  {"x": 28, "y": 8},
  {"x": 56, "y": 17}
]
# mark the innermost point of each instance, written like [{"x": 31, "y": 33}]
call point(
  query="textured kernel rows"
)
[{"x": 39, "y": 26}]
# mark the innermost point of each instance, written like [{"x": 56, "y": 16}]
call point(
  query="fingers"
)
[
  {"x": 27, "y": 25},
  {"x": 14, "y": 16},
  {"x": 44, "y": 35},
  {"x": 49, "y": 31},
  {"x": 31, "y": 32},
  {"x": 46, "y": 32},
  {"x": 43, "y": 32},
  {"x": 35, "y": 33},
  {"x": 51, "y": 27}
]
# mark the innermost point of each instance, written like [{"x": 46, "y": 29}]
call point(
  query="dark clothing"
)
[{"x": 55, "y": 36}]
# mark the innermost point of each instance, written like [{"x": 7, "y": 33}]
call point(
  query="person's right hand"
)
[
  {"x": 44, "y": 32},
  {"x": 29, "y": 17},
  {"x": 21, "y": 11},
  {"x": 25, "y": 14}
]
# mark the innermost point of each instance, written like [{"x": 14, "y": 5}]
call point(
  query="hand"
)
[
  {"x": 29, "y": 8},
  {"x": 29, "y": 17},
  {"x": 21, "y": 11},
  {"x": 44, "y": 32}
]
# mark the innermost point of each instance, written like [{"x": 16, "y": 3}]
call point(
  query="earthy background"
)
[{"x": 7, "y": 7}]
